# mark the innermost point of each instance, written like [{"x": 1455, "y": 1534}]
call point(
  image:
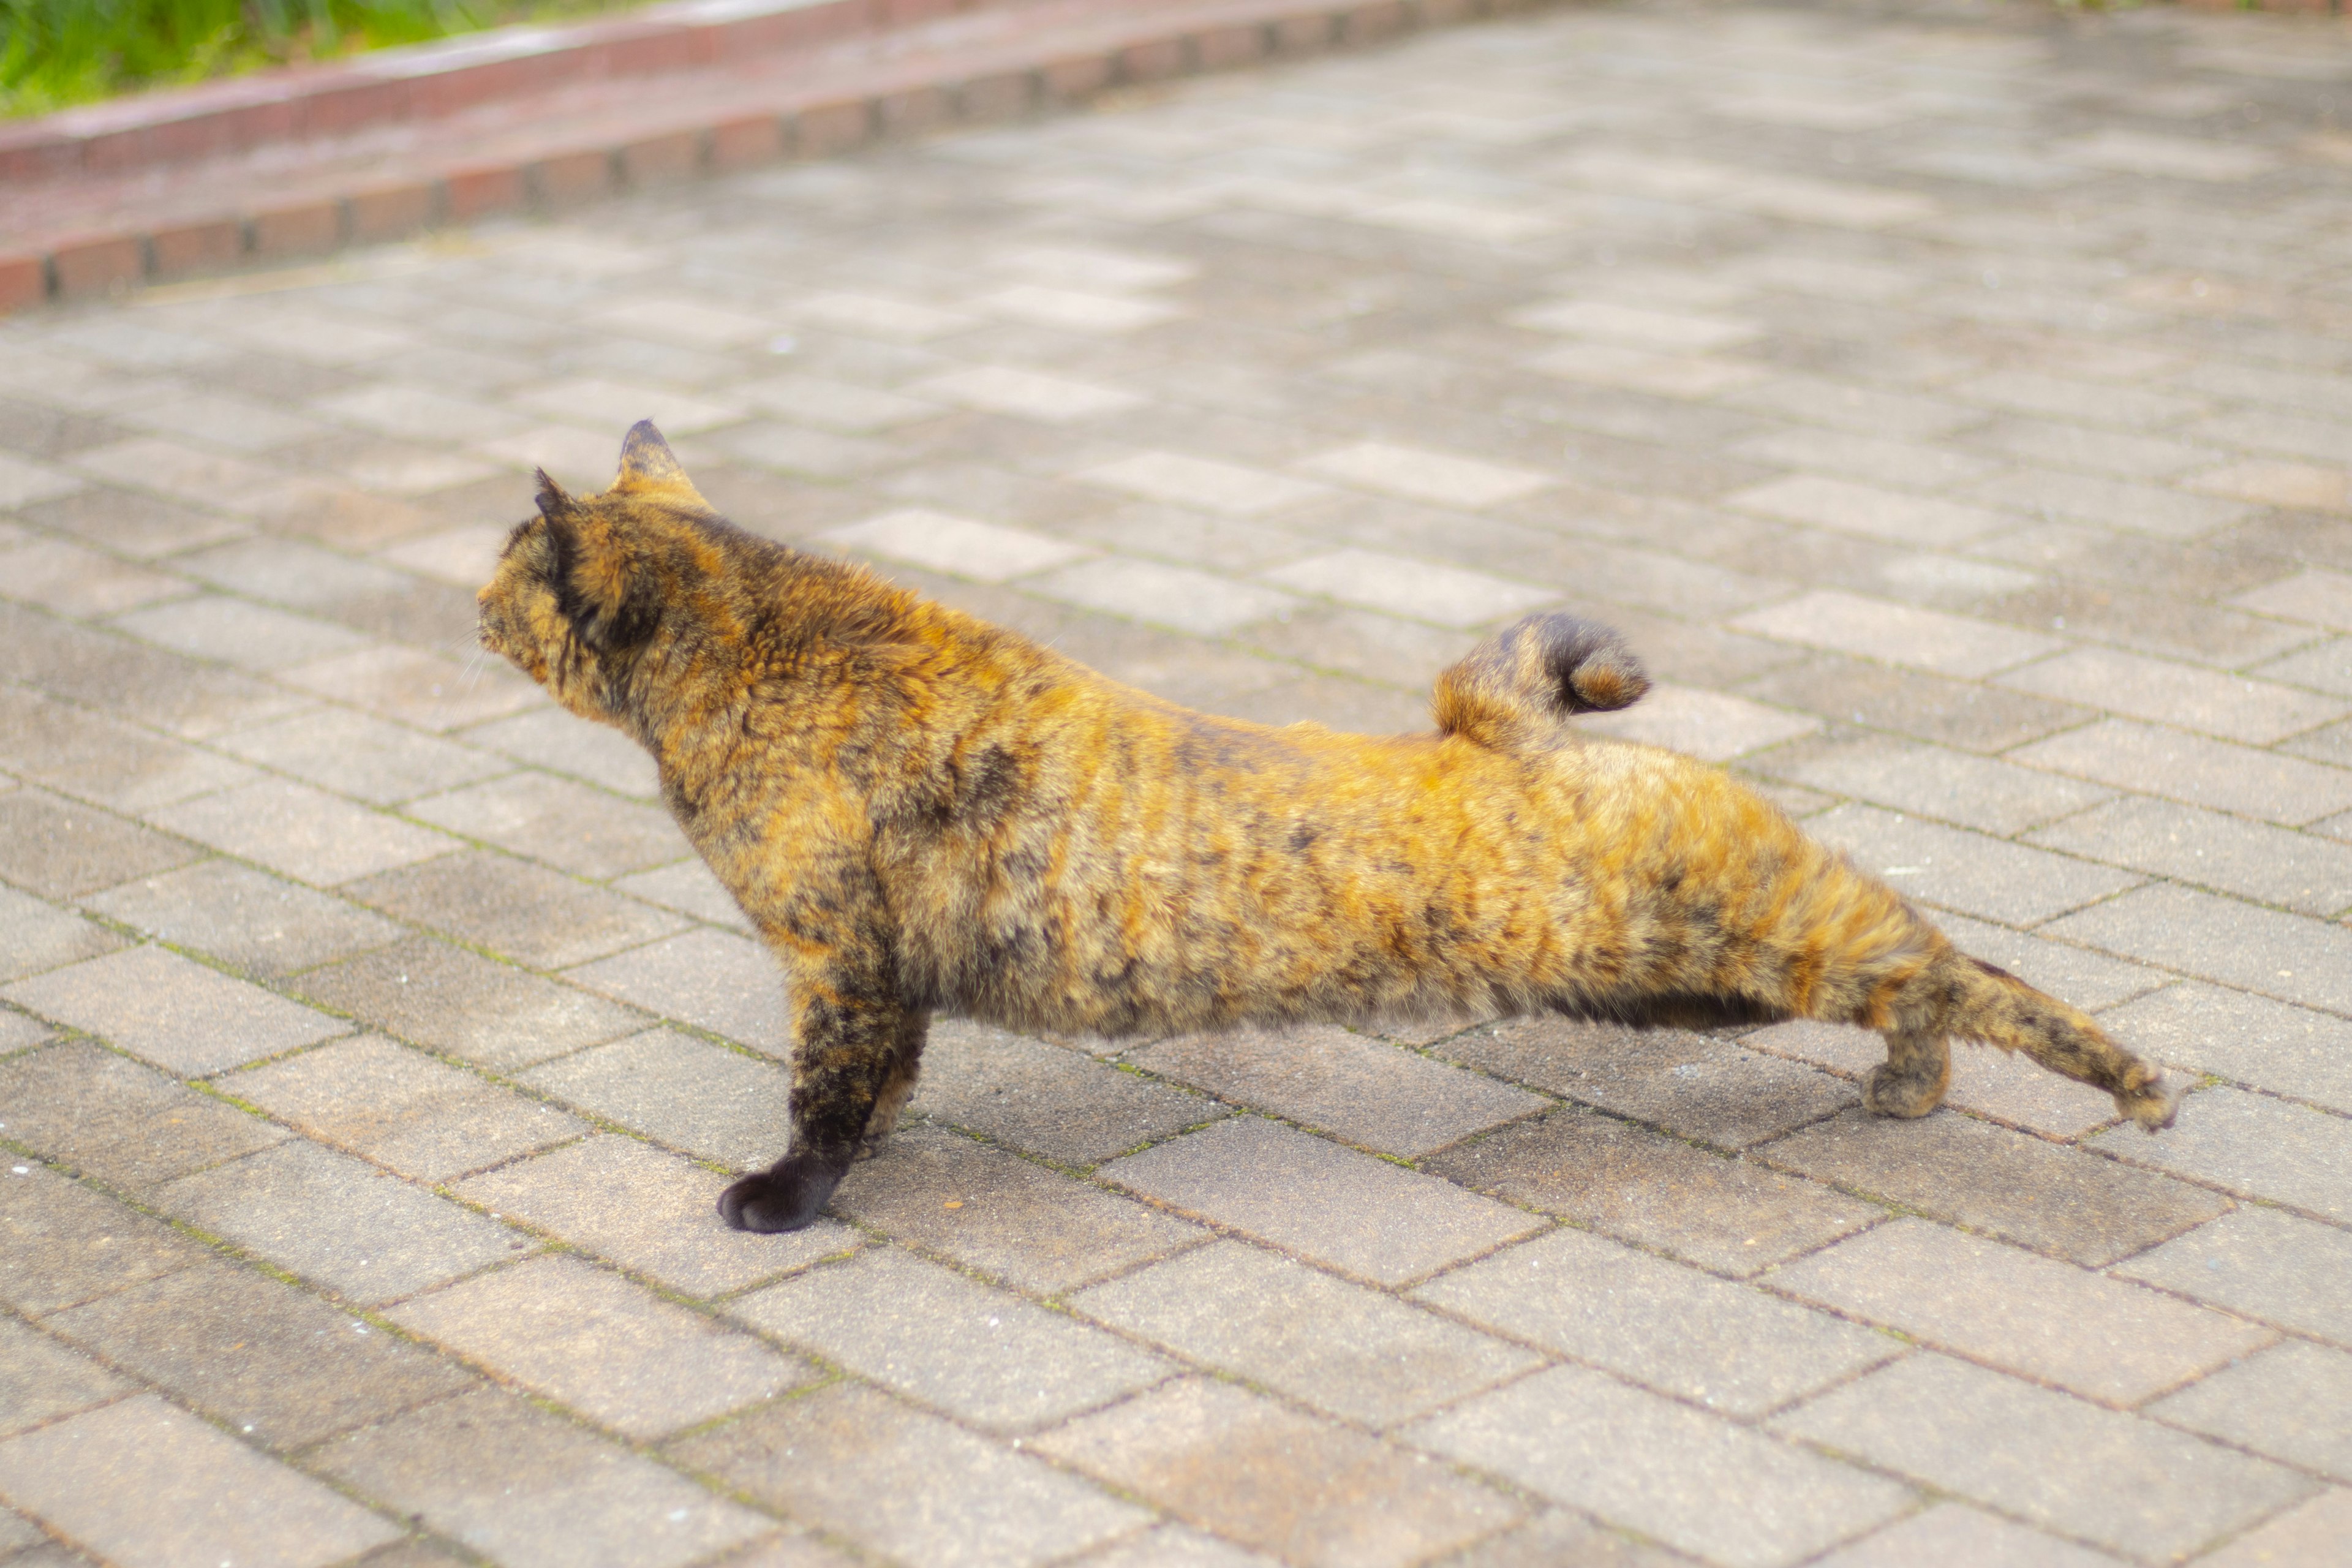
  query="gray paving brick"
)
[
  {"x": 1953, "y": 1535},
  {"x": 1695, "y": 1086},
  {"x": 1732, "y": 1217},
  {"x": 2252, "y": 1039},
  {"x": 1349, "y": 1211},
  {"x": 2253, "y": 861},
  {"x": 712, "y": 979},
  {"x": 960, "y": 546},
  {"x": 1045, "y": 1099},
  {"x": 1974, "y": 792},
  {"x": 42, "y": 1379},
  {"x": 246, "y": 917},
  {"x": 172, "y": 1011},
  {"x": 1175, "y": 596},
  {"x": 59, "y": 850},
  {"x": 262, "y": 1357},
  {"x": 2011, "y": 1185},
  {"x": 527, "y": 1488},
  {"x": 687, "y": 887},
  {"x": 238, "y": 632},
  {"x": 103, "y": 761},
  {"x": 2041, "y": 1318},
  {"x": 1723, "y": 1492},
  {"x": 2255, "y": 1146},
  {"x": 1705, "y": 724},
  {"x": 2073, "y": 1467},
  {"x": 562, "y": 743},
  {"x": 106, "y": 1116},
  {"x": 1174, "y": 1546},
  {"x": 700, "y": 1098},
  {"x": 2089, "y": 980},
  {"x": 1558, "y": 1538},
  {"x": 1962, "y": 713},
  {"x": 2287, "y": 956},
  {"x": 652, "y": 1213},
  {"x": 2203, "y": 773},
  {"x": 2110, "y": 502},
  {"x": 2260, "y": 1263},
  {"x": 1366, "y": 1091},
  {"x": 2289, "y": 1402},
  {"x": 2314, "y": 595},
  {"x": 1306, "y": 1492},
  {"x": 985, "y": 1356},
  {"x": 2232, "y": 707},
  {"x": 142, "y": 1482},
  {"x": 1728, "y": 1347},
  {"x": 988, "y": 1210},
  {"x": 76, "y": 1244},
  {"x": 450, "y": 1000},
  {"x": 2304, "y": 1534},
  {"x": 1340, "y": 1348},
  {"x": 358, "y": 755},
  {"x": 569, "y": 825},
  {"x": 1846, "y": 507},
  {"x": 612, "y": 1349},
  {"x": 824, "y": 1459},
  {"x": 1418, "y": 590},
  {"x": 529, "y": 912},
  {"x": 302, "y": 833},
  {"x": 1953, "y": 869},
  {"x": 363, "y": 1235},
  {"x": 400, "y": 1108},
  {"x": 1899, "y": 634},
  {"x": 34, "y": 936}
]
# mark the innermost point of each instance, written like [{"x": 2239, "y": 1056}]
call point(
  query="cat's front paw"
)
[{"x": 785, "y": 1197}]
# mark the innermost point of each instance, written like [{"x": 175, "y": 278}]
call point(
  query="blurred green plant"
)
[{"x": 55, "y": 53}]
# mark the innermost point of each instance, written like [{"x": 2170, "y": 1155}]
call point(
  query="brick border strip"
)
[{"x": 932, "y": 96}]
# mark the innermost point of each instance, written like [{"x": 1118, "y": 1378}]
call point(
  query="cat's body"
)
[{"x": 920, "y": 813}]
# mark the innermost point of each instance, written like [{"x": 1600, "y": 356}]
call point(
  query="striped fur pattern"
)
[{"x": 921, "y": 813}]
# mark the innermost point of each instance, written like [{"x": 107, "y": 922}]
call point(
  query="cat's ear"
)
[
  {"x": 552, "y": 502},
  {"x": 649, "y": 468}
]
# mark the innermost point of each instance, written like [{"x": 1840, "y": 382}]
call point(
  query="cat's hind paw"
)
[
  {"x": 1887, "y": 1092},
  {"x": 2155, "y": 1103},
  {"x": 786, "y": 1198}
]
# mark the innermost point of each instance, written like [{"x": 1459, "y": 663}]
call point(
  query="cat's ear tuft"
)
[
  {"x": 649, "y": 468},
  {"x": 552, "y": 502}
]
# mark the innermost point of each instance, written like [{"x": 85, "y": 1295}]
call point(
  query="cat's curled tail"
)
[{"x": 1515, "y": 689}]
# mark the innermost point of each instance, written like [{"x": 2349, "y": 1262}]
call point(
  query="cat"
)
[{"x": 920, "y": 812}]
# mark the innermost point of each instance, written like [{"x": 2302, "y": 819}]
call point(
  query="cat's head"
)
[{"x": 584, "y": 588}]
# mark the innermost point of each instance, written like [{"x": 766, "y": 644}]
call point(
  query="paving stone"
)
[
  {"x": 520, "y": 1486},
  {"x": 1306, "y": 1492},
  {"x": 2032, "y": 392},
  {"x": 569, "y": 825},
  {"x": 1953, "y": 1535},
  {"x": 2203, "y": 773},
  {"x": 41, "y": 1379},
  {"x": 1441, "y": 478},
  {"x": 705, "y": 1100},
  {"x": 1965, "y": 871},
  {"x": 68, "y": 580},
  {"x": 1367, "y": 1092},
  {"x": 1348, "y": 1211},
  {"x": 1728, "y": 1215},
  {"x": 1975, "y": 792},
  {"x": 1342, "y": 1349},
  {"x": 1174, "y": 1546},
  {"x": 2262, "y": 1263},
  {"x": 2011, "y": 1185},
  {"x": 143, "y": 684},
  {"x": 2253, "y": 861},
  {"x": 1694, "y": 1086},
  {"x": 960, "y": 546},
  {"x": 651, "y": 1212},
  {"x": 1026, "y": 394},
  {"x": 1846, "y": 507},
  {"x": 1872, "y": 458},
  {"x": 712, "y": 979},
  {"x": 2033, "y": 1316},
  {"x": 107, "y": 1116},
  {"x": 987, "y": 1210},
  {"x": 562, "y": 743},
  {"x": 1695, "y": 1482},
  {"x": 1899, "y": 634},
  {"x": 687, "y": 887},
  {"x": 1725, "y": 1346},
  {"x": 2229, "y": 706},
  {"x": 2305, "y": 1533},
  {"x": 171, "y": 1011},
  {"x": 1176, "y": 596},
  {"x": 34, "y": 936},
  {"x": 540, "y": 917},
  {"x": 2070, "y": 1467},
  {"x": 1703, "y": 724},
  {"x": 417, "y": 688},
  {"x": 400, "y": 1109},
  {"x": 73, "y": 1245},
  {"x": 447, "y": 999},
  {"x": 146, "y": 1484},
  {"x": 2289, "y": 1402},
  {"x": 826, "y": 1458},
  {"x": 59, "y": 850},
  {"x": 2288, "y": 956},
  {"x": 2256, "y": 1041},
  {"x": 141, "y": 526},
  {"x": 2314, "y": 595},
  {"x": 385, "y": 1238},
  {"x": 301, "y": 832},
  {"x": 611, "y": 1350},
  {"x": 246, "y": 917},
  {"x": 1417, "y": 589},
  {"x": 1045, "y": 1099},
  {"x": 259, "y": 1356},
  {"x": 2257, "y": 1147},
  {"x": 357, "y": 755},
  {"x": 1199, "y": 481},
  {"x": 2109, "y": 502},
  {"x": 106, "y": 762},
  {"x": 235, "y": 631},
  {"x": 828, "y": 404},
  {"x": 1558, "y": 1538}
]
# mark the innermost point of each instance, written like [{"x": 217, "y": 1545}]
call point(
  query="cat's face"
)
[{"x": 584, "y": 586}]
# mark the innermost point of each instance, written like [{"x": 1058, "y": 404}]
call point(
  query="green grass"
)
[{"x": 56, "y": 53}]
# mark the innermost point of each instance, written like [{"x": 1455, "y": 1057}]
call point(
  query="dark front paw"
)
[{"x": 783, "y": 1198}]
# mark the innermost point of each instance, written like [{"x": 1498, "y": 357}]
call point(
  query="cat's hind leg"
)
[
  {"x": 906, "y": 1066},
  {"x": 1911, "y": 1081}
]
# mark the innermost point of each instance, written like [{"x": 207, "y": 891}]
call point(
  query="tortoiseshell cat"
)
[{"x": 920, "y": 811}]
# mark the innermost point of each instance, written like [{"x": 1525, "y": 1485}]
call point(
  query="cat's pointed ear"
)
[
  {"x": 649, "y": 468},
  {"x": 551, "y": 498}
]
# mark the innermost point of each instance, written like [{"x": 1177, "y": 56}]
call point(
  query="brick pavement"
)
[{"x": 1948, "y": 403}]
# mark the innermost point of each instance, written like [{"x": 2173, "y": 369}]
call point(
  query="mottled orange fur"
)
[{"x": 920, "y": 811}]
